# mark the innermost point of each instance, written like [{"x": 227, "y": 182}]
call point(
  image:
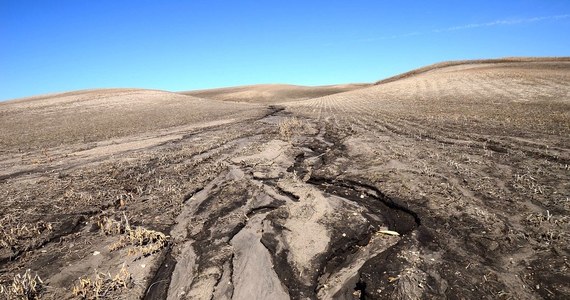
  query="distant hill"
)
[
  {"x": 272, "y": 93},
  {"x": 442, "y": 65},
  {"x": 93, "y": 115}
]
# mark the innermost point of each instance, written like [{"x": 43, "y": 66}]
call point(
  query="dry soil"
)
[{"x": 451, "y": 182}]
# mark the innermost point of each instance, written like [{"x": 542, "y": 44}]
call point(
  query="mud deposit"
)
[{"x": 447, "y": 184}]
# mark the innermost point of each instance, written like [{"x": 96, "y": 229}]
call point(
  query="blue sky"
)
[{"x": 54, "y": 46}]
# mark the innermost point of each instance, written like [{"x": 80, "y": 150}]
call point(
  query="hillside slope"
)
[
  {"x": 475, "y": 63},
  {"x": 95, "y": 115},
  {"x": 480, "y": 151}
]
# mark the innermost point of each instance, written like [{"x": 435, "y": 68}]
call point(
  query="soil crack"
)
[{"x": 158, "y": 288}]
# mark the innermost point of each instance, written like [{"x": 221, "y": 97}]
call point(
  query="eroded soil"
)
[{"x": 453, "y": 184}]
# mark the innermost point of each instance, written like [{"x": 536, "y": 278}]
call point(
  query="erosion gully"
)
[{"x": 320, "y": 150}]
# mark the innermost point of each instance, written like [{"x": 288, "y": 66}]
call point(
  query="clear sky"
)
[{"x": 54, "y": 46}]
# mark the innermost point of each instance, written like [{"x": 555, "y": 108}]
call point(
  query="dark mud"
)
[
  {"x": 158, "y": 288},
  {"x": 394, "y": 214}
]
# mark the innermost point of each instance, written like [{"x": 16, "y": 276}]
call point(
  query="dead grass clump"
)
[
  {"x": 111, "y": 226},
  {"x": 291, "y": 126},
  {"x": 100, "y": 285},
  {"x": 548, "y": 228},
  {"x": 23, "y": 286},
  {"x": 142, "y": 241},
  {"x": 13, "y": 233},
  {"x": 538, "y": 219}
]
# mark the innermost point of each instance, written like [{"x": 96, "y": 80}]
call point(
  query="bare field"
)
[
  {"x": 453, "y": 183},
  {"x": 92, "y": 116},
  {"x": 272, "y": 93}
]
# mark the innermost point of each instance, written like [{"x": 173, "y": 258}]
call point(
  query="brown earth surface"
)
[
  {"x": 272, "y": 93},
  {"x": 447, "y": 183}
]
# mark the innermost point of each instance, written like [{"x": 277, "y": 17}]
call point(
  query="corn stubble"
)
[
  {"x": 140, "y": 241},
  {"x": 23, "y": 286},
  {"x": 101, "y": 284}
]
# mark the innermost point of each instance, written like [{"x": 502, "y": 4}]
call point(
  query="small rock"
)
[{"x": 96, "y": 253}]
